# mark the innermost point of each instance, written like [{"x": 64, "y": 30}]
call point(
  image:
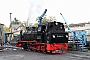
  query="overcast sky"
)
[{"x": 74, "y": 11}]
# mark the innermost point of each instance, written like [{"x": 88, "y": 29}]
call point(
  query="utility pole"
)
[{"x": 10, "y": 26}]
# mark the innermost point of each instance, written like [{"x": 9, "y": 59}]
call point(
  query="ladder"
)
[{"x": 80, "y": 41}]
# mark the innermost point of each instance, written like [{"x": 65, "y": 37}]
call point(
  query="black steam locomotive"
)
[{"x": 50, "y": 37}]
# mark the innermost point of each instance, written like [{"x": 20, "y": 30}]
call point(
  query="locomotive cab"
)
[{"x": 41, "y": 32}]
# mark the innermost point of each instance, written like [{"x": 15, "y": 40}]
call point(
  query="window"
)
[
  {"x": 0, "y": 29},
  {"x": 39, "y": 28},
  {"x": 61, "y": 27}
]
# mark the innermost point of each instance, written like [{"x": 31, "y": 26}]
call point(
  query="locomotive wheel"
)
[
  {"x": 34, "y": 50},
  {"x": 50, "y": 52},
  {"x": 44, "y": 52},
  {"x": 25, "y": 46},
  {"x": 62, "y": 49},
  {"x": 39, "y": 51},
  {"x": 30, "y": 49}
]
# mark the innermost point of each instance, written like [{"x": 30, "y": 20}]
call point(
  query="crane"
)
[
  {"x": 40, "y": 18},
  {"x": 66, "y": 22},
  {"x": 79, "y": 38}
]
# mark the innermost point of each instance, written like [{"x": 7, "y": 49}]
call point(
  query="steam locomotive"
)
[{"x": 47, "y": 38}]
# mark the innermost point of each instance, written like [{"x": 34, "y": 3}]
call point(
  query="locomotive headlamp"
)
[
  {"x": 53, "y": 36},
  {"x": 56, "y": 23},
  {"x": 66, "y": 35}
]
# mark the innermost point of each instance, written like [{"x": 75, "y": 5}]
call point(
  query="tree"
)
[
  {"x": 45, "y": 19},
  {"x": 35, "y": 24},
  {"x": 16, "y": 21},
  {"x": 6, "y": 29}
]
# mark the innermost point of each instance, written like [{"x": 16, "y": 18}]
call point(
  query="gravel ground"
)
[{"x": 19, "y": 54}]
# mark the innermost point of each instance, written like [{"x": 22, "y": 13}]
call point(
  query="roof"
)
[
  {"x": 79, "y": 28},
  {"x": 15, "y": 26},
  {"x": 79, "y": 24},
  {"x": 1, "y": 24},
  {"x": 8, "y": 33}
]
